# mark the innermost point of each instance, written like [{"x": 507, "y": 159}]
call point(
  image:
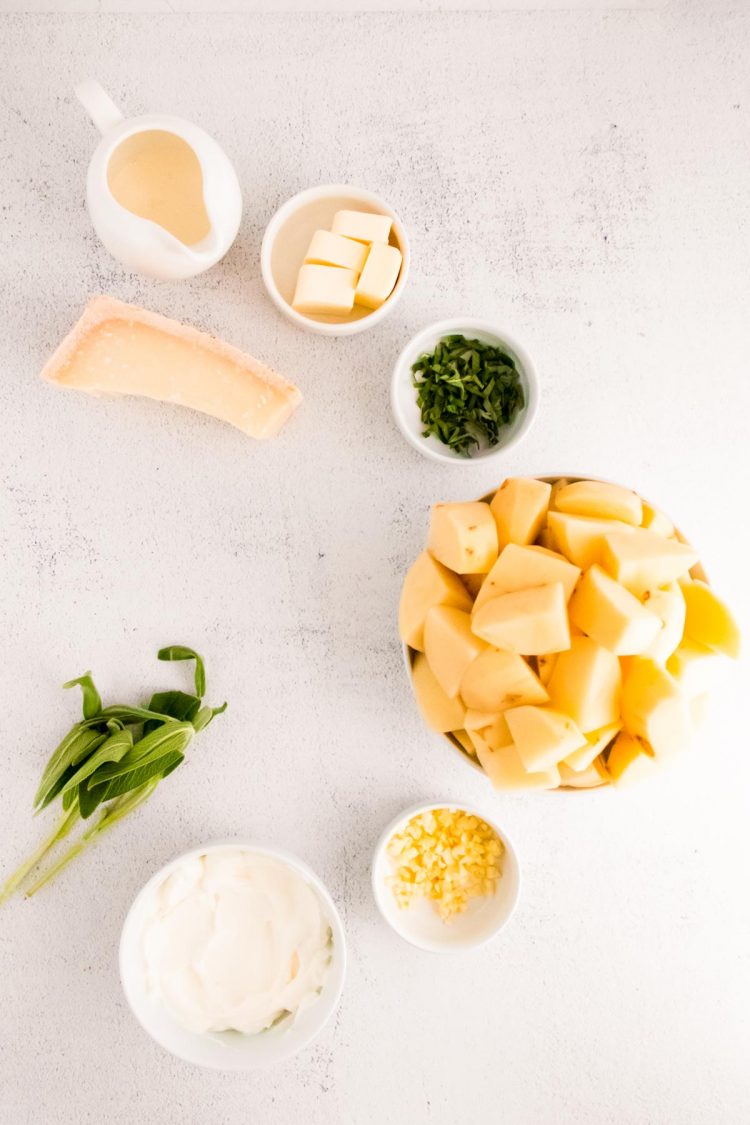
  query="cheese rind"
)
[
  {"x": 363, "y": 226},
  {"x": 117, "y": 348},
  {"x": 324, "y": 290},
  {"x": 328, "y": 249},
  {"x": 379, "y": 276}
]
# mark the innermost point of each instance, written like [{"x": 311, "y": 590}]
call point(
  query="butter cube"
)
[
  {"x": 379, "y": 275},
  {"x": 324, "y": 290},
  {"x": 327, "y": 249},
  {"x": 363, "y": 226}
]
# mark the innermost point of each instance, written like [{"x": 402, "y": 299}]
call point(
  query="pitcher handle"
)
[{"x": 98, "y": 104}]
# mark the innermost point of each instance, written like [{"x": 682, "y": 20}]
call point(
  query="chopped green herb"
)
[{"x": 467, "y": 391}]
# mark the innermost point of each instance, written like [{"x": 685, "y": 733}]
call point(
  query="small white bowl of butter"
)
[
  {"x": 233, "y": 956},
  {"x": 329, "y": 246}
]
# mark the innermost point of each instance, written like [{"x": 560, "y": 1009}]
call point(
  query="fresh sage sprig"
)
[
  {"x": 467, "y": 392},
  {"x": 113, "y": 760}
]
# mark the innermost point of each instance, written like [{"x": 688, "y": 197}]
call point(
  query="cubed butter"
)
[
  {"x": 324, "y": 290},
  {"x": 328, "y": 249},
  {"x": 379, "y": 275},
  {"x": 363, "y": 226}
]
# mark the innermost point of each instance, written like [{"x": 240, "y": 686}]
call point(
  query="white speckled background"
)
[{"x": 585, "y": 180}]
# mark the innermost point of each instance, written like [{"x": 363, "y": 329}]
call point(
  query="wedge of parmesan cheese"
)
[{"x": 120, "y": 349}]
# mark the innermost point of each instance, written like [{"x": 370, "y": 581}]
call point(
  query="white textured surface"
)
[{"x": 583, "y": 179}]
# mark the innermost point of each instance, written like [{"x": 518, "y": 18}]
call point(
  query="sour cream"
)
[{"x": 234, "y": 941}]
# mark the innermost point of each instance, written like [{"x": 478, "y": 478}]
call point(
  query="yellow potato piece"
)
[
  {"x": 440, "y": 713},
  {"x": 559, "y": 484},
  {"x": 643, "y": 560},
  {"x": 505, "y": 769},
  {"x": 655, "y": 709},
  {"x": 528, "y": 622},
  {"x": 597, "y": 742},
  {"x": 520, "y": 509},
  {"x": 462, "y": 737},
  {"x": 629, "y": 760},
  {"x": 543, "y": 736},
  {"x": 596, "y": 498},
  {"x": 656, "y": 521},
  {"x": 450, "y": 646},
  {"x": 581, "y": 538},
  {"x": 495, "y": 735},
  {"x": 463, "y": 537},
  {"x": 591, "y": 777},
  {"x": 709, "y": 621},
  {"x": 473, "y": 583},
  {"x": 545, "y": 663},
  {"x": 497, "y": 680},
  {"x": 613, "y": 616},
  {"x": 669, "y": 606},
  {"x": 476, "y": 720},
  {"x": 428, "y": 583},
  {"x": 519, "y": 568},
  {"x": 586, "y": 685}
]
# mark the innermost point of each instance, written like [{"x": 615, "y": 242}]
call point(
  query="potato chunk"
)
[
  {"x": 543, "y": 736},
  {"x": 519, "y": 568},
  {"x": 505, "y": 769},
  {"x": 581, "y": 538},
  {"x": 463, "y": 537},
  {"x": 450, "y": 646},
  {"x": 586, "y": 684},
  {"x": 643, "y": 560},
  {"x": 696, "y": 667},
  {"x": 440, "y": 713},
  {"x": 709, "y": 621},
  {"x": 428, "y": 583},
  {"x": 654, "y": 709},
  {"x": 669, "y": 606},
  {"x": 613, "y": 616},
  {"x": 498, "y": 680},
  {"x": 596, "y": 498},
  {"x": 520, "y": 508},
  {"x": 629, "y": 760},
  {"x": 656, "y": 521},
  {"x": 597, "y": 742},
  {"x": 591, "y": 777},
  {"x": 529, "y": 622}
]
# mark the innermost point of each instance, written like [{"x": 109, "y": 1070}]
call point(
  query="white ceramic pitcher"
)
[{"x": 140, "y": 243}]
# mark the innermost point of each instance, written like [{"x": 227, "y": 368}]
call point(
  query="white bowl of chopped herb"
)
[{"x": 464, "y": 390}]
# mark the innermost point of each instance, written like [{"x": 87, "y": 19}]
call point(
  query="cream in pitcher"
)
[{"x": 162, "y": 195}]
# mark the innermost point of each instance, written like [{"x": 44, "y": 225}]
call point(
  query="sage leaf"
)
[
  {"x": 92, "y": 701},
  {"x": 77, "y": 744},
  {"x": 180, "y": 652},
  {"x": 113, "y": 749}
]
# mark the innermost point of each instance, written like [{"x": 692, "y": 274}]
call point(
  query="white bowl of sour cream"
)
[{"x": 233, "y": 956}]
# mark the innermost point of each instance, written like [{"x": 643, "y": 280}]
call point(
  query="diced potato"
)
[
  {"x": 505, "y": 769},
  {"x": 655, "y": 709},
  {"x": 450, "y": 646},
  {"x": 591, "y": 777},
  {"x": 629, "y": 760},
  {"x": 559, "y": 484},
  {"x": 465, "y": 742},
  {"x": 709, "y": 621},
  {"x": 520, "y": 509},
  {"x": 519, "y": 568},
  {"x": 495, "y": 735},
  {"x": 528, "y": 622},
  {"x": 543, "y": 736},
  {"x": 643, "y": 560},
  {"x": 696, "y": 667},
  {"x": 440, "y": 713},
  {"x": 497, "y": 680},
  {"x": 545, "y": 663},
  {"x": 427, "y": 583},
  {"x": 656, "y": 521},
  {"x": 597, "y": 743},
  {"x": 473, "y": 583},
  {"x": 596, "y": 498},
  {"x": 476, "y": 720},
  {"x": 463, "y": 537},
  {"x": 586, "y": 684},
  {"x": 613, "y": 616},
  {"x": 546, "y": 539},
  {"x": 581, "y": 538},
  {"x": 669, "y": 606}
]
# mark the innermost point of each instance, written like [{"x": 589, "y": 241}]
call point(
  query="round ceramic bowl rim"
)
[
  {"x": 322, "y": 328},
  {"x": 472, "y": 810},
  {"x": 407, "y": 651},
  {"x": 446, "y": 327},
  {"x": 333, "y": 987}
]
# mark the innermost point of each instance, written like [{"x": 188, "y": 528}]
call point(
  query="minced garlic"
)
[{"x": 445, "y": 855}]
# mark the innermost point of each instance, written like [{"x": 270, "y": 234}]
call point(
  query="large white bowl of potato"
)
[{"x": 561, "y": 634}]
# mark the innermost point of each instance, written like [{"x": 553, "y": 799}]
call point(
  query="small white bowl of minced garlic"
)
[
  {"x": 445, "y": 877},
  {"x": 233, "y": 956}
]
